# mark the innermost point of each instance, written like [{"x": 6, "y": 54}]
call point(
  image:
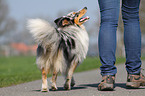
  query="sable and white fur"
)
[{"x": 52, "y": 42}]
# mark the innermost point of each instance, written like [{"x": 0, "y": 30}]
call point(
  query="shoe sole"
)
[
  {"x": 142, "y": 84},
  {"x": 133, "y": 84},
  {"x": 106, "y": 87}
]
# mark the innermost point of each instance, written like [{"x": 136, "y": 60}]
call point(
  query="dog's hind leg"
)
[
  {"x": 72, "y": 82},
  {"x": 69, "y": 77},
  {"x": 53, "y": 80},
  {"x": 44, "y": 81}
]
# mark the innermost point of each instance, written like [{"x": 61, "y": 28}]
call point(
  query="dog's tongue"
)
[{"x": 85, "y": 18}]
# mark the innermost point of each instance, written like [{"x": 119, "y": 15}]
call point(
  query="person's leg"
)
[
  {"x": 109, "y": 10},
  {"x": 132, "y": 35},
  {"x": 132, "y": 41}
]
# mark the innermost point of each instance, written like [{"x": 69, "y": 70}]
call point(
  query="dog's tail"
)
[{"x": 42, "y": 31}]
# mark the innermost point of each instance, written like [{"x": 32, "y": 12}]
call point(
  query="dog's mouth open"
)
[
  {"x": 78, "y": 16},
  {"x": 72, "y": 18}
]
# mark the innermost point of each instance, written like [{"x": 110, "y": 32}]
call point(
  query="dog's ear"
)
[
  {"x": 58, "y": 21},
  {"x": 63, "y": 21}
]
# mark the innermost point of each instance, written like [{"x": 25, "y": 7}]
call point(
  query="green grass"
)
[
  {"x": 94, "y": 63},
  {"x": 16, "y": 70}
]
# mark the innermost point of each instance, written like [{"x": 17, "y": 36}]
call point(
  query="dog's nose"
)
[{"x": 85, "y": 8}]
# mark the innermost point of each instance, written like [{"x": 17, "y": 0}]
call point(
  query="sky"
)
[{"x": 20, "y": 9}]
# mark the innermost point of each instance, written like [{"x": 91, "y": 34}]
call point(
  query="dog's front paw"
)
[{"x": 44, "y": 90}]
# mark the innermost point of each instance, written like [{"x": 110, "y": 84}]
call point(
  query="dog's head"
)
[{"x": 72, "y": 18}]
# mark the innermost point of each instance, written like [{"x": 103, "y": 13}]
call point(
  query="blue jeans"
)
[{"x": 109, "y": 10}]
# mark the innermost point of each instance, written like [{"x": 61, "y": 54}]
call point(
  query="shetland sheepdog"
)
[{"x": 61, "y": 48}]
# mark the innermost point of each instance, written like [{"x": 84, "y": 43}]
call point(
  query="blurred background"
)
[
  {"x": 15, "y": 39},
  {"x": 18, "y": 49}
]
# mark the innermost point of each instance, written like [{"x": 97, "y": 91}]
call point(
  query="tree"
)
[{"x": 7, "y": 24}]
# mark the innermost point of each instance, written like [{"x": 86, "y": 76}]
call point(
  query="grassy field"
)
[{"x": 16, "y": 70}]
